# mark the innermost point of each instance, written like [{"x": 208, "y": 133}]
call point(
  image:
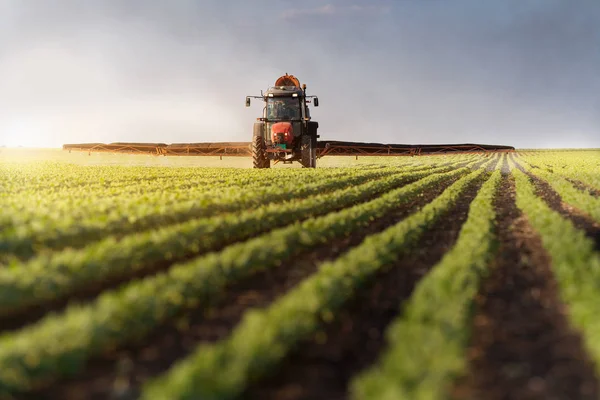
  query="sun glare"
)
[{"x": 23, "y": 134}]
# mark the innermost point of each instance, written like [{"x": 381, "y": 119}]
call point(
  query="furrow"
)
[{"x": 583, "y": 187}]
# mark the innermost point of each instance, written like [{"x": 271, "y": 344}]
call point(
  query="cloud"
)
[
  {"x": 514, "y": 72},
  {"x": 328, "y": 9},
  {"x": 331, "y": 10}
]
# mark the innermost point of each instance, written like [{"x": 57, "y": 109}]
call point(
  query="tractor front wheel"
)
[{"x": 259, "y": 153}]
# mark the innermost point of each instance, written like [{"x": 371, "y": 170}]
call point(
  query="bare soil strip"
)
[
  {"x": 89, "y": 292},
  {"x": 322, "y": 366},
  {"x": 584, "y": 188},
  {"x": 522, "y": 345},
  {"x": 554, "y": 201},
  {"x": 123, "y": 371}
]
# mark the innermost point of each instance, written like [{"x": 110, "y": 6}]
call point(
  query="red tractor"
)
[{"x": 285, "y": 132}]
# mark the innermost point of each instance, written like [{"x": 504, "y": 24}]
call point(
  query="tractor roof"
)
[{"x": 280, "y": 91}]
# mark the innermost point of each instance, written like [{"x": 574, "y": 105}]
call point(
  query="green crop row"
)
[
  {"x": 60, "y": 344},
  {"x": 49, "y": 181},
  {"x": 104, "y": 197},
  {"x": 28, "y": 214},
  {"x": 52, "y": 276},
  {"x": 87, "y": 202},
  {"x": 59, "y": 176},
  {"x": 102, "y": 181},
  {"x": 568, "y": 193},
  {"x": 576, "y": 264},
  {"x": 24, "y": 241},
  {"x": 53, "y": 209},
  {"x": 84, "y": 203},
  {"x": 426, "y": 345},
  {"x": 58, "y": 230},
  {"x": 54, "y": 179},
  {"x": 582, "y": 166},
  {"x": 264, "y": 337}
]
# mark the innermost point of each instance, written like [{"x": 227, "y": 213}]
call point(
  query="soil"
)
[
  {"x": 522, "y": 345},
  {"x": 323, "y": 370},
  {"x": 585, "y": 188},
  {"x": 123, "y": 371}
]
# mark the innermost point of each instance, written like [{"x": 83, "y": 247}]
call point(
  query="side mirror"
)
[
  {"x": 316, "y": 102},
  {"x": 247, "y": 101}
]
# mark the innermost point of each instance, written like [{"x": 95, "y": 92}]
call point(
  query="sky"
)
[{"x": 517, "y": 72}]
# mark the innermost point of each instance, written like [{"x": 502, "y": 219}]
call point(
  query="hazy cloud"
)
[
  {"x": 328, "y": 9},
  {"x": 521, "y": 72},
  {"x": 331, "y": 9}
]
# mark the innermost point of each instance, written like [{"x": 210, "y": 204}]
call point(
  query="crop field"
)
[{"x": 465, "y": 276}]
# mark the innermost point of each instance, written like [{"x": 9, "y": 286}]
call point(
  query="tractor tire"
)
[
  {"x": 259, "y": 153},
  {"x": 309, "y": 152}
]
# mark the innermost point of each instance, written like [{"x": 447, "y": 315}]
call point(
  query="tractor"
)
[{"x": 285, "y": 132}]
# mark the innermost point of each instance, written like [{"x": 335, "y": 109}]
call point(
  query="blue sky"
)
[{"x": 518, "y": 72}]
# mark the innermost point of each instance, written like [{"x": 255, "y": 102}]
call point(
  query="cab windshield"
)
[{"x": 283, "y": 108}]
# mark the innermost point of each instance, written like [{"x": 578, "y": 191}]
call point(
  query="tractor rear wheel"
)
[
  {"x": 259, "y": 153},
  {"x": 309, "y": 153}
]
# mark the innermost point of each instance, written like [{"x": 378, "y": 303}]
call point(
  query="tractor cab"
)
[
  {"x": 284, "y": 103},
  {"x": 283, "y": 108}
]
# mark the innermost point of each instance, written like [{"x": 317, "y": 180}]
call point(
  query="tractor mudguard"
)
[{"x": 259, "y": 129}]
